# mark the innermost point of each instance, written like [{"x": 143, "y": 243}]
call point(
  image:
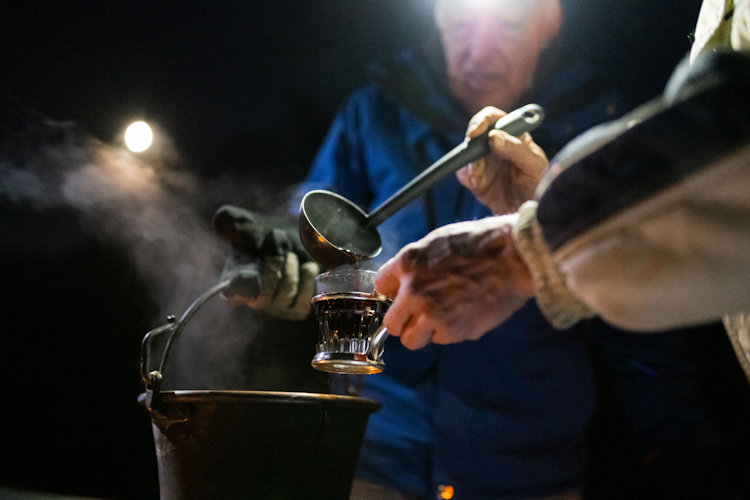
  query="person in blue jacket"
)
[
  {"x": 504, "y": 416},
  {"x": 643, "y": 221}
]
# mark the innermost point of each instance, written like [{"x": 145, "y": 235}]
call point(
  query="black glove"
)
[{"x": 268, "y": 267}]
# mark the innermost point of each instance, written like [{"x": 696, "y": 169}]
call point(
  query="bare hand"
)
[
  {"x": 508, "y": 176},
  {"x": 455, "y": 284}
]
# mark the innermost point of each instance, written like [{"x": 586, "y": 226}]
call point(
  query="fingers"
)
[
  {"x": 244, "y": 284},
  {"x": 481, "y": 121},
  {"x": 451, "y": 285},
  {"x": 283, "y": 281},
  {"x": 478, "y": 175},
  {"x": 417, "y": 333},
  {"x": 300, "y": 307},
  {"x": 253, "y": 233},
  {"x": 287, "y": 285},
  {"x": 270, "y": 276},
  {"x": 399, "y": 317},
  {"x": 277, "y": 242},
  {"x": 403, "y": 318},
  {"x": 294, "y": 288},
  {"x": 245, "y": 230},
  {"x": 399, "y": 314},
  {"x": 509, "y": 175},
  {"x": 518, "y": 150},
  {"x": 387, "y": 280},
  {"x": 522, "y": 152},
  {"x": 412, "y": 323},
  {"x": 473, "y": 175}
]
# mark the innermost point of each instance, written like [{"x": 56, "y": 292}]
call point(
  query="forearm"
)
[
  {"x": 679, "y": 258},
  {"x": 647, "y": 224}
]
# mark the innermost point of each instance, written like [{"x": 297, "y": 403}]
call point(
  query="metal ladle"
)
[{"x": 335, "y": 231}]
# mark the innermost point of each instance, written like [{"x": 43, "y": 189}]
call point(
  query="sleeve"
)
[{"x": 646, "y": 221}]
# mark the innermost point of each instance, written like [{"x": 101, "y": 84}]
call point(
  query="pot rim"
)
[{"x": 260, "y": 397}]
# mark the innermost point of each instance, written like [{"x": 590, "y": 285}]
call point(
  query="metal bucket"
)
[{"x": 228, "y": 444}]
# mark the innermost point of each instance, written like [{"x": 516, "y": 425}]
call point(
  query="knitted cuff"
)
[
  {"x": 738, "y": 330},
  {"x": 557, "y": 303}
]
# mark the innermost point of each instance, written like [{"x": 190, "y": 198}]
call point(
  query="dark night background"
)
[
  {"x": 240, "y": 86},
  {"x": 221, "y": 76}
]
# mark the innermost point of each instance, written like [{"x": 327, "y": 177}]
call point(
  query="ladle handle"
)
[{"x": 524, "y": 119}]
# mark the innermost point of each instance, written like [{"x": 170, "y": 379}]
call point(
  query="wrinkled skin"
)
[
  {"x": 508, "y": 176},
  {"x": 455, "y": 284},
  {"x": 491, "y": 47}
]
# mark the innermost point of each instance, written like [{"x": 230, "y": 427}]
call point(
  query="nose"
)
[{"x": 484, "y": 46}]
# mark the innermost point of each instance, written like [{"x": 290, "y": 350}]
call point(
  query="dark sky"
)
[{"x": 266, "y": 76}]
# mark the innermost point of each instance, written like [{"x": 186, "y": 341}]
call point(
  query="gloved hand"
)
[{"x": 268, "y": 267}]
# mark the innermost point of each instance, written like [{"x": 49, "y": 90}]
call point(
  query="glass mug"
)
[{"x": 350, "y": 315}]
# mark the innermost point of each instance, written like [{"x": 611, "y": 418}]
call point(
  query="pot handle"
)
[
  {"x": 175, "y": 327},
  {"x": 146, "y": 346},
  {"x": 161, "y": 415}
]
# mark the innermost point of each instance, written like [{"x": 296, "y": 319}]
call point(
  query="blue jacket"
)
[{"x": 501, "y": 417}]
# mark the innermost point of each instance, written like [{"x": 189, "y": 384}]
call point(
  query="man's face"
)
[{"x": 491, "y": 48}]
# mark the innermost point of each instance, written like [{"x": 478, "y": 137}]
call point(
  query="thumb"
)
[{"x": 387, "y": 281}]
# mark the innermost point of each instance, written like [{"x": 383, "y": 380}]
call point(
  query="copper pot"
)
[{"x": 249, "y": 444}]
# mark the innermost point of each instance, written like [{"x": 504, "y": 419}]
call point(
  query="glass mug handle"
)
[{"x": 377, "y": 344}]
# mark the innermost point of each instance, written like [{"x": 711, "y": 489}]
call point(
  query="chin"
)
[{"x": 477, "y": 104}]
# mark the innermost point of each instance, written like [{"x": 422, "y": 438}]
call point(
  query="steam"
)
[
  {"x": 122, "y": 199},
  {"x": 155, "y": 212}
]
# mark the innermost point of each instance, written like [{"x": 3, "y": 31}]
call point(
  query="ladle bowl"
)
[{"x": 335, "y": 231}]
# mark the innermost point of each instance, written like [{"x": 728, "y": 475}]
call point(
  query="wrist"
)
[{"x": 559, "y": 305}]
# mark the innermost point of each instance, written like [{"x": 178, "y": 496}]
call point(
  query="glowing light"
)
[
  {"x": 446, "y": 491},
  {"x": 138, "y": 136},
  {"x": 480, "y": 5}
]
